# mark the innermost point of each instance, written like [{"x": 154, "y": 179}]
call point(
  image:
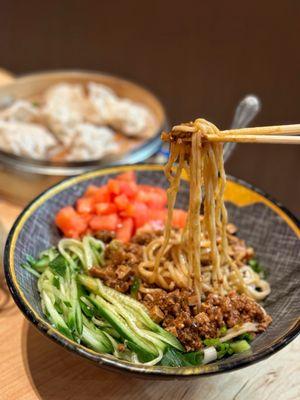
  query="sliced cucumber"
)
[
  {"x": 107, "y": 312},
  {"x": 96, "y": 341}
]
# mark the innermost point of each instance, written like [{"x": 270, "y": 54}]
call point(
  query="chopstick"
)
[
  {"x": 266, "y": 130},
  {"x": 254, "y": 139},
  {"x": 280, "y": 134}
]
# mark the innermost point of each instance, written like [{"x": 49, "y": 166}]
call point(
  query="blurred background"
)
[{"x": 200, "y": 58}]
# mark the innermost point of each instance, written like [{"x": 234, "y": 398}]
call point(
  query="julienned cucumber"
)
[
  {"x": 56, "y": 319},
  {"x": 96, "y": 340},
  {"x": 107, "y": 312},
  {"x": 91, "y": 341},
  {"x": 101, "y": 319}
]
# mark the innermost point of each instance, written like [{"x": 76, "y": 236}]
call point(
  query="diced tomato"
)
[
  {"x": 129, "y": 211},
  {"x": 121, "y": 206},
  {"x": 86, "y": 216},
  {"x": 154, "y": 197},
  {"x": 102, "y": 195},
  {"x": 179, "y": 218},
  {"x": 121, "y": 202},
  {"x": 140, "y": 214},
  {"x": 114, "y": 186},
  {"x": 105, "y": 208},
  {"x": 64, "y": 215},
  {"x": 70, "y": 222},
  {"x": 125, "y": 230},
  {"x": 127, "y": 176},
  {"x": 158, "y": 215},
  {"x": 85, "y": 205},
  {"x": 104, "y": 222},
  {"x": 130, "y": 189},
  {"x": 90, "y": 191}
]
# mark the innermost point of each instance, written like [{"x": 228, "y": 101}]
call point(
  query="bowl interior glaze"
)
[{"x": 268, "y": 227}]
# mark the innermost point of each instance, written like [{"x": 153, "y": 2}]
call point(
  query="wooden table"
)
[{"x": 33, "y": 367}]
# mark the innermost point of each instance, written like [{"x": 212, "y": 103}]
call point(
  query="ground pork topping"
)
[
  {"x": 181, "y": 319},
  {"x": 121, "y": 261}
]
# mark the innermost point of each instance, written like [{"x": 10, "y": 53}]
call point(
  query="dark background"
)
[{"x": 199, "y": 57}]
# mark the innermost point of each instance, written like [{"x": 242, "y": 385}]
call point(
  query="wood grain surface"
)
[{"x": 32, "y": 367}]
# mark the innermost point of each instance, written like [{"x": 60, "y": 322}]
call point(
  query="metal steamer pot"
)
[{"x": 22, "y": 179}]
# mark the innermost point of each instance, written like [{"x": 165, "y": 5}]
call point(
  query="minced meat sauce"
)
[{"x": 176, "y": 310}]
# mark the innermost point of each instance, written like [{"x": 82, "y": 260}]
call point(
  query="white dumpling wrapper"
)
[
  {"x": 91, "y": 143},
  {"x": 26, "y": 139}
]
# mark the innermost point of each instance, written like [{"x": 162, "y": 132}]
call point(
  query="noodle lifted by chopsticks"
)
[{"x": 179, "y": 259}]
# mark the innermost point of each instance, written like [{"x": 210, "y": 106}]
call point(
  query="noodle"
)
[{"x": 198, "y": 258}]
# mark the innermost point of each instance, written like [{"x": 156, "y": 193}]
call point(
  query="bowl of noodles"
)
[{"x": 166, "y": 271}]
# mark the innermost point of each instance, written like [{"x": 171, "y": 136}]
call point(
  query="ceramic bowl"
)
[{"x": 262, "y": 222}]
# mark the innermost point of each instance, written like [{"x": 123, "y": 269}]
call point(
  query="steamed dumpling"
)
[
  {"x": 26, "y": 139},
  {"x": 124, "y": 115},
  {"x": 20, "y": 110},
  {"x": 91, "y": 142},
  {"x": 64, "y": 108}
]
